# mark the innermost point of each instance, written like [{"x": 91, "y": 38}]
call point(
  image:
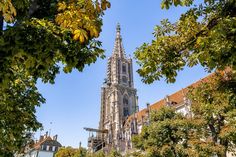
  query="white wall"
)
[{"x": 45, "y": 154}]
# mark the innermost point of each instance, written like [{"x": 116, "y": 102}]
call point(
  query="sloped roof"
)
[
  {"x": 47, "y": 141},
  {"x": 176, "y": 97}
]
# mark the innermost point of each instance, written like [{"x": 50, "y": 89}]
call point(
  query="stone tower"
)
[{"x": 118, "y": 95}]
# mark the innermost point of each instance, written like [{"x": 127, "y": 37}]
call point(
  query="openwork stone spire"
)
[
  {"x": 118, "y": 47},
  {"x": 118, "y": 96}
]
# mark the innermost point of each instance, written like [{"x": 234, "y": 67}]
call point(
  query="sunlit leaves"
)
[
  {"x": 86, "y": 13},
  {"x": 8, "y": 10},
  {"x": 11, "y": 10},
  {"x": 82, "y": 152},
  {"x": 44, "y": 33},
  {"x": 166, "y": 135},
  {"x": 80, "y": 35},
  {"x": 210, "y": 128},
  {"x": 213, "y": 102},
  {"x": 167, "y": 3},
  {"x": 44, "y": 41},
  {"x": 204, "y": 35},
  {"x": 17, "y": 111},
  {"x": 71, "y": 152}
]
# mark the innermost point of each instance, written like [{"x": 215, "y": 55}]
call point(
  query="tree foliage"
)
[
  {"x": 99, "y": 153},
  {"x": 114, "y": 153},
  {"x": 81, "y": 152},
  {"x": 17, "y": 112},
  {"x": 36, "y": 35},
  {"x": 214, "y": 104},
  {"x": 166, "y": 136},
  {"x": 209, "y": 131},
  {"x": 71, "y": 152},
  {"x": 45, "y": 33},
  {"x": 135, "y": 154},
  {"x": 204, "y": 35}
]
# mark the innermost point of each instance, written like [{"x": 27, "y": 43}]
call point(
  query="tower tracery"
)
[{"x": 118, "y": 96}]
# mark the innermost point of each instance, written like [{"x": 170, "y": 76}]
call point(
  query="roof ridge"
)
[{"x": 159, "y": 103}]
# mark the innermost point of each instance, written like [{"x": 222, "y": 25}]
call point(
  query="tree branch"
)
[{"x": 203, "y": 32}]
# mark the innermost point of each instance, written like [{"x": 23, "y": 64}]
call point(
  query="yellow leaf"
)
[
  {"x": 96, "y": 34},
  {"x": 103, "y": 6},
  {"x": 77, "y": 31},
  {"x": 108, "y": 4},
  {"x": 76, "y": 37},
  {"x": 61, "y": 6},
  {"x": 81, "y": 38}
]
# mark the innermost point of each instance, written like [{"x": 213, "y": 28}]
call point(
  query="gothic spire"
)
[{"x": 118, "y": 47}]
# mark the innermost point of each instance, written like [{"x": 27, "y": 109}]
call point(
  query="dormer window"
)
[{"x": 173, "y": 103}]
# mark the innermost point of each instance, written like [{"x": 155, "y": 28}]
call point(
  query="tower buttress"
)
[{"x": 118, "y": 96}]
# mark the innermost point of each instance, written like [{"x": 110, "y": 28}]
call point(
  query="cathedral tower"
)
[{"x": 118, "y": 95}]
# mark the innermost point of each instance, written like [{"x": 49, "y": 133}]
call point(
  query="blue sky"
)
[{"x": 73, "y": 102}]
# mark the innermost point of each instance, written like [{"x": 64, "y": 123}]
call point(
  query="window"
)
[
  {"x": 50, "y": 148},
  {"x": 126, "y": 111},
  {"x": 125, "y": 101},
  {"x": 125, "y": 106},
  {"x": 132, "y": 127},
  {"x": 124, "y": 69},
  {"x": 124, "y": 79},
  {"x": 44, "y": 147}
]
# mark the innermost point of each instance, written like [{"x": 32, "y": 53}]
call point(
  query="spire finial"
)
[
  {"x": 118, "y": 30},
  {"x": 118, "y": 27},
  {"x": 118, "y": 47}
]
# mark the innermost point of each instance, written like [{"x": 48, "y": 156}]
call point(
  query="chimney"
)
[
  {"x": 148, "y": 107},
  {"x": 167, "y": 100},
  {"x": 41, "y": 138},
  {"x": 55, "y": 138},
  {"x": 148, "y": 112},
  {"x": 136, "y": 107},
  {"x": 142, "y": 119},
  {"x": 46, "y": 134}
]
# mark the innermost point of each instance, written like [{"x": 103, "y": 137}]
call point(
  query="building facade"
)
[
  {"x": 120, "y": 117},
  {"x": 46, "y": 146},
  {"x": 118, "y": 96}
]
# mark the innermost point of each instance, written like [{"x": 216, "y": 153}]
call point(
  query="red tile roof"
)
[
  {"x": 177, "y": 98},
  {"x": 39, "y": 143}
]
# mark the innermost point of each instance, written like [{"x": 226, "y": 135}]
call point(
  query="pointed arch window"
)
[
  {"x": 124, "y": 79},
  {"x": 124, "y": 69},
  {"x": 125, "y": 106}
]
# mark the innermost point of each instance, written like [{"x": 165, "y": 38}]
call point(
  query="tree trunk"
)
[
  {"x": 225, "y": 144},
  {"x": 213, "y": 132}
]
